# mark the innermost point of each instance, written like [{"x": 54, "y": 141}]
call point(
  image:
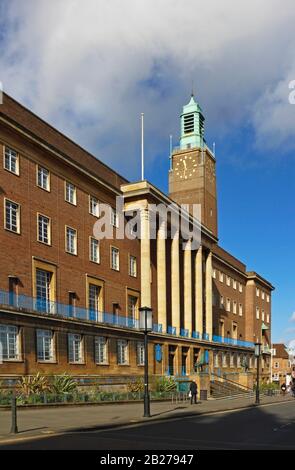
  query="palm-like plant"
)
[
  {"x": 33, "y": 384},
  {"x": 63, "y": 384}
]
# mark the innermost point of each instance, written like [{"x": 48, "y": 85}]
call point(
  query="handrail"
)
[{"x": 237, "y": 384}]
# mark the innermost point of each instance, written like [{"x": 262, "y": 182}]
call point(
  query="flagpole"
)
[
  {"x": 170, "y": 152},
  {"x": 142, "y": 146}
]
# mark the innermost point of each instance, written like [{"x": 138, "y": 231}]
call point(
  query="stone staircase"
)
[{"x": 222, "y": 388}]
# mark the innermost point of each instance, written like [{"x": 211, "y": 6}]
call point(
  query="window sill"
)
[
  {"x": 102, "y": 364},
  {"x": 12, "y": 360},
  {"x": 78, "y": 363},
  {"x": 41, "y": 361},
  {"x": 124, "y": 365}
]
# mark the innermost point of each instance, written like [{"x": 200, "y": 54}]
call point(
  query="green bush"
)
[{"x": 166, "y": 384}]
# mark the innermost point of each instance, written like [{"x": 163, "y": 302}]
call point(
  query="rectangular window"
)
[
  {"x": 94, "y": 301},
  {"x": 45, "y": 347},
  {"x": 220, "y": 276},
  {"x": 75, "y": 348},
  {"x": 257, "y": 292},
  {"x": 132, "y": 266},
  {"x": 115, "y": 262},
  {"x": 140, "y": 353},
  {"x": 101, "y": 350},
  {"x": 9, "y": 342},
  {"x": 267, "y": 318},
  {"x": 228, "y": 305},
  {"x": 44, "y": 229},
  {"x": 234, "y": 284},
  {"x": 277, "y": 365},
  {"x": 11, "y": 160},
  {"x": 93, "y": 206},
  {"x": 257, "y": 313},
  {"x": 132, "y": 307},
  {"x": 221, "y": 301},
  {"x": 122, "y": 350},
  {"x": 12, "y": 216},
  {"x": 216, "y": 359},
  {"x": 43, "y": 294},
  {"x": 228, "y": 280},
  {"x": 240, "y": 287},
  {"x": 267, "y": 298},
  {"x": 214, "y": 273},
  {"x": 71, "y": 240},
  {"x": 262, "y": 295},
  {"x": 234, "y": 306},
  {"x": 70, "y": 193},
  {"x": 94, "y": 250},
  {"x": 240, "y": 310},
  {"x": 114, "y": 218},
  {"x": 43, "y": 178},
  {"x": 262, "y": 315}
]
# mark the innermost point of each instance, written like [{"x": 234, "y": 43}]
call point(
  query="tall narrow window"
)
[
  {"x": 115, "y": 264},
  {"x": 71, "y": 240},
  {"x": 132, "y": 307},
  {"x": 140, "y": 353},
  {"x": 11, "y": 160},
  {"x": 44, "y": 235},
  {"x": 101, "y": 353},
  {"x": 9, "y": 343},
  {"x": 43, "y": 286},
  {"x": 75, "y": 348},
  {"x": 94, "y": 301},
  {"x": 94, "y": 250},
  {"x": 122, "y": 350},
  {"x": 12, "y": 216},
  {"x": 43, "y": 178},
  {"x": 114, "y": 218},
  {"x": 93, "y": 206},
  {"x": 45, "y": 348},
  {"x": 70, "y": 193},
  {"x": 132, "y": 266}
]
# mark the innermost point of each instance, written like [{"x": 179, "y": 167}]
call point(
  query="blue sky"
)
[{"x": 90, "y": 74}]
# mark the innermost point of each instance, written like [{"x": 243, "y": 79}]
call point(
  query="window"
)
[
  {"x": 276, "y": 365},
  {"x": 228, "y": 280},
  {"x": 94, "y": 301},
  {"x": 220, "y": 276},
  {"x": 140, "y": 353},
  {"x": 267, "y": 318},
  {"x": 188, "y": 123},
  {"x": 262, "y": 315},
  {"x": 232, "y": 360},
  {"x": 94, "y": 250},
  {"x": 132, "y": 307},
  {"x": 132, "y": 266},
  {"x": 276, "y": 377},
  {"x": 44, "y": 229},
  {"x": 240, "y": 310},
  {"x": 71, "y": 240},
  {"x": 224, "y": 360},
  {"x": 214, "y": 273},
  {"x": 257, "y": 313},
  {"x": 262, "y": 295},
  {"x": 216, "y": 359},
  {"x": 43, "y": 178},
  {"x": 228, "y": 305},
  {"x": 257, "y": 292},
  {"x": 240, "y": 287},
  {"x": 114, "y": 218},
  {"x": 12, "y": 216},
  {"x": 93, "y": 206},
  {"x": 122, "y": 350},
  {"x": 234, "y": 284},
  {"x": 9, "y": 342},
  {"x": 221, "y": 301},
  {"x": 45, "y": 347},
  {"x": 115, "y": 258},
  {"x": 101, "y": 350},
  {"x": 75, "y": 348},
  {"x": 267, "y": 298},
  {"x": 11, "y": 161},
  {"x": 70, "y": 193},
  {"x": 234, "y": 306},
  {"x": 43, "y": 288}
]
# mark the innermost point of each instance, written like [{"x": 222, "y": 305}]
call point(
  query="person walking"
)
[{"x": 193, "y": 392}]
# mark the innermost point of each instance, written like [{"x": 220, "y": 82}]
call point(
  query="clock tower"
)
[{"x": 192, "y": 177}]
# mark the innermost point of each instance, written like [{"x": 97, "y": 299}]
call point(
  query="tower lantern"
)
[{"x": 192, "y": 125}]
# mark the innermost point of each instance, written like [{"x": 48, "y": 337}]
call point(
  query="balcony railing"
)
[
  {"x": 44, "y": 306},
  {"x": 232, "y": 341},
  {"x": 195, "y": 335},
  {"x": 171, "y": 330},
  {"x": 184, "y": 332}
]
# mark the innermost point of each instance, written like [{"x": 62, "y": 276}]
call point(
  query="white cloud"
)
[{"x": 92, "y": 67}]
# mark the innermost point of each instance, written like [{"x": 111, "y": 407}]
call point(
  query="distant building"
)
[{"x": 281, "y": 364}]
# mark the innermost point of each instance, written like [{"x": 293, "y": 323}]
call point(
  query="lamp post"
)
[
  {"x": 257, "y": 355},
  {"x": 146, "y": 325}
]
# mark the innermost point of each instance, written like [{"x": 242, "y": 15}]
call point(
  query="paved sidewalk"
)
[{"x": 35, "y": 423}]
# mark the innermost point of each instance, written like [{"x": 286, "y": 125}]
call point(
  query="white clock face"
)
[{"x": 186, "y": 167}]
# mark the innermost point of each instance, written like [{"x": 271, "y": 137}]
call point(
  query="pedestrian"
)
[
  {"x": 293, "y": 388},
  {"x": 193, "y": 388},
  {"x": 283, "y": 388}
]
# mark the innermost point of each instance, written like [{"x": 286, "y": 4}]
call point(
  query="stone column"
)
[
  {"x": 175, "y": 284},
  {"x": 145, "y": 258},
  {"x": 161, "y": 275},
  {"x": 199, "y": 290},
  {"x": 188, "y": 287},
  {"x": 209, "y": 295}
]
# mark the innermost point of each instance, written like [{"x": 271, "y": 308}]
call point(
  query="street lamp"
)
[
  {"x": 146, "y": 325},
  {"x": 257, "y": 353}
]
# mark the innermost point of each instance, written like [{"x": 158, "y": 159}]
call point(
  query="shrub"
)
[
  {"x": 63, "y": 384},
  {"x": 166, "y": 384}
]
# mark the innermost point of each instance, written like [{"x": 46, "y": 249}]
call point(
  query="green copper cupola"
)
[{"x": 192, "y": 125}]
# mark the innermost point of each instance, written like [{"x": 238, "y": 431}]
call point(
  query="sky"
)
[{"x": 90, "y": 68}]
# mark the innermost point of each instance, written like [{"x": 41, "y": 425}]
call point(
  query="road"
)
[{"x": 265, "y": 427}]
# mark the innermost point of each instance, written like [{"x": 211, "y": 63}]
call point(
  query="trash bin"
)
[{"x": 203, "y": 395}]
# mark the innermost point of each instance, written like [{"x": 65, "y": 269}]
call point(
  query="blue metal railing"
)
[
  {"x": 205, "y": 336},
  {"x": 157, "y": 328},
  {"x": 171, "y": 330},
  {"x": 184, "y": 332},
  {"x": 232, "y": 341},
  {"x": 196, "y": 335}
]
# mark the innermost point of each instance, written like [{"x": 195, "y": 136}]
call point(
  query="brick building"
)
[
  {"x": 281, "y": 364},
  {"x": 69, "y": 302}
]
